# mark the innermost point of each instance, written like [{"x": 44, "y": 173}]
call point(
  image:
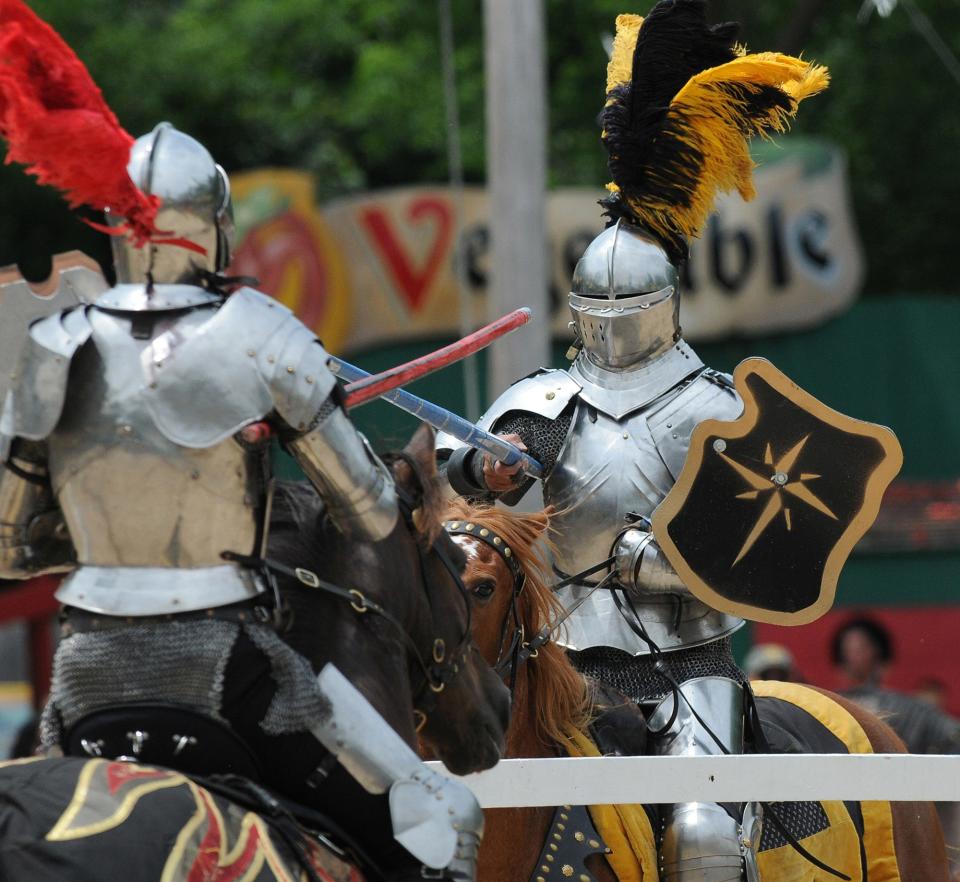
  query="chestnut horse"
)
[{"x": 549, "y": 695}]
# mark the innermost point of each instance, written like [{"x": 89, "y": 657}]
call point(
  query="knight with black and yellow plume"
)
[
  {"x": 613, "y": 431},
  {"x": 683, "y": 100}
]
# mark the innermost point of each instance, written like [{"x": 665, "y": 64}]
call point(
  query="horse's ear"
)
[{"x": 421, "y": 448}]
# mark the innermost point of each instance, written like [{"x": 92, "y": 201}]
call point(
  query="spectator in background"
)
[
  {"x": 862, "y": 649},
  {"x": 771, "y": 661}
]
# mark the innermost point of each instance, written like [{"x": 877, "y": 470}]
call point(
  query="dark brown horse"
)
[
  {"x": 95, "y": 820},
  {"x": 550, "y": 696}
]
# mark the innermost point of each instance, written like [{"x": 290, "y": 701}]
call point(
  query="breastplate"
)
[
  {"x": 131, "y": 497},
  {"x": 607, "y": 470}
]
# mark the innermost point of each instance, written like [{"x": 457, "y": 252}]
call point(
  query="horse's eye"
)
[{"x": 484, "y": 591}]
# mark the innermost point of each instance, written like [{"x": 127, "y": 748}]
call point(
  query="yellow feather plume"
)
[
  {"x": 715, "y": 114},
  {"x": 620, "y": 67}
]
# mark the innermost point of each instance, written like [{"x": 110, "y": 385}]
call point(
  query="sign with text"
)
[{"x": 381, "y": 267}]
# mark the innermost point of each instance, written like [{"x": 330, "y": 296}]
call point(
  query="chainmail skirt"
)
[
  {"x": 176, "y": 663},
  {"x": 637, "y": 678}
]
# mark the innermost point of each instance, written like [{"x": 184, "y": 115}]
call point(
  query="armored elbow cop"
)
[
  {"x": 357, "y": 487},
  {"x": 641, "y": 565}
]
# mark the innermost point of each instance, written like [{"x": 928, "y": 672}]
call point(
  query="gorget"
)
[
  {"x": 618, "y": 393},
  {"x": 155, "y": 298}
]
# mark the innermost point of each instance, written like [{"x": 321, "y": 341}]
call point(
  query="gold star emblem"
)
[{"x": 778, "y": 484}]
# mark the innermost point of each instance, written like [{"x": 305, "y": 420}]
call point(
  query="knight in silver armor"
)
[
  {"x": 613, "y": 430},
  {"x": 126, "y": 464},
  {"x": 612, "y": 433}
]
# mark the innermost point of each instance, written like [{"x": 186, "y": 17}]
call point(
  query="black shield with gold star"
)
[{"x": 768, "y": 507}]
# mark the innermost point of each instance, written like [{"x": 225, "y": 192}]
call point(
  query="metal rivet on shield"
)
[
  {"x": 551, "y": 396},
  {"x": 484, "y": 532},
  {"x": 719, "y": 445}
]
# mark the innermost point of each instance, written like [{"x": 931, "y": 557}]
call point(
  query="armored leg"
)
[
  {"x": 434, "y": 818},
  {"x": 704, "y": 842}
]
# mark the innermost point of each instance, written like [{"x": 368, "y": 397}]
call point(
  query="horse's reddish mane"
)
[{"x": 558, "y": 694}]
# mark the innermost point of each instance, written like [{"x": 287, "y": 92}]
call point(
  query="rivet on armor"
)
[
  {"x": 674, "y": 435},
  {"x": 126, "y": 430},
  {"x": 484, "y": 532},
  {"x": 626, "y": 436},
  {"x": 594, "y": 844},
  {"x": 567, "y": 808},
  {"x": 468, "y": 527},
  {"x": 497, "y": 540},
  {"x": 455, "y": 525},
  {"x": 563, "y": 817},
  {"x": 561, "y": 827},
  {"x": 309, "y": 379},
  {"x": 557, "y": 836},
  {"x": 551, "y": 858},
  {"x": 541, "y": 879},
  {"x": 271, "y": 359},
  {"x": 551, "y": 396},
  {"x": 291, "y": 369},
  {"x": 567, "y": 870},
  {"x": 553, "y": 846},
  {"x": 719, "y": 445},
  {"x": 545, "y": 868},
  {"x": 251, "y": 352},
  {"x": 507, "y": 552},
  {"x": 585, "y": 878},
  {"x": 579, "y": 836}
]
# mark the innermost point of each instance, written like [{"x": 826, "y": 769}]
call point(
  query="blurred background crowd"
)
[{"x": 354, "y": 133}]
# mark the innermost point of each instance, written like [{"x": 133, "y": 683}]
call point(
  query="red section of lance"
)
[{"x": 378, "y": 384}]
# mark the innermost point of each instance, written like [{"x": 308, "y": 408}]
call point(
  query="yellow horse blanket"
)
[{"x": 831, "y": 831}]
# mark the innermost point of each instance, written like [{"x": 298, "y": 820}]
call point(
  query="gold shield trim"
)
[{"x": 876, "y": 485}]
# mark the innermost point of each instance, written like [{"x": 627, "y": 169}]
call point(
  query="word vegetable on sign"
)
[{"x": 379, "y": 267}]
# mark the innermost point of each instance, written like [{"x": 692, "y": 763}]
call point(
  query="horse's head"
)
[
  {"x": 462, "y": 705},
  {"x": 507, "y": 578}
]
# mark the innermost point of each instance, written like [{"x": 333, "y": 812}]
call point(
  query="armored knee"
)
[{"x": 703, "y": 843}]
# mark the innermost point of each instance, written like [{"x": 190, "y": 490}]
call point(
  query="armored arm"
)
[
  {"x": 642, "y": 566},
  {"x": 538, "y": 410},
  {"x": 355, "y": 484},
  {"x": 33, "y": 535}
]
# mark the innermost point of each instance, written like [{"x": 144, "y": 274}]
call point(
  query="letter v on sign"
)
[{"x": 412, "y": 282}]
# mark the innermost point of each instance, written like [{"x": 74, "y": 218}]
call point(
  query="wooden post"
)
[{"x": 515, "y": 67}]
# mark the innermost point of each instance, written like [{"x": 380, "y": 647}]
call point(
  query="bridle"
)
[
  {"x": 442, "y": 667},
  {"x": 509, "y": 655}
]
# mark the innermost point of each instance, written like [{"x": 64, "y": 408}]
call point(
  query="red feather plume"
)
[{"x": 56, "y": 122}]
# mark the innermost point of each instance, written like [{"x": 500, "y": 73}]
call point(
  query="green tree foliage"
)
[{"x": 352, "y": 91}]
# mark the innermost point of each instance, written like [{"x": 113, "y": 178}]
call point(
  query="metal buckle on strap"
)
[{"x": 308, "y": 578}]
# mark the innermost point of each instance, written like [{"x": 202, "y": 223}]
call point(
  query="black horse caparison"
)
[{"x": 461, "y": 709}]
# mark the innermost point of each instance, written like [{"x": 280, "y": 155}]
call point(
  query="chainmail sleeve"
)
[{"x": 544, "y": 439}]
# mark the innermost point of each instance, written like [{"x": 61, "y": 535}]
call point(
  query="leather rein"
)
[{"x": 437, "y": 671}]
